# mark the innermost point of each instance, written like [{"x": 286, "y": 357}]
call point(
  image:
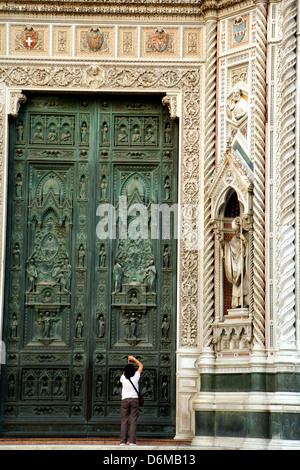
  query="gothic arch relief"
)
[{"x": 231, "y": 194}]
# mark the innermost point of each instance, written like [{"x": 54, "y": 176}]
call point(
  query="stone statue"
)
[
  {"x": 235, "y": 256},
  {"x": 16, "y": 255},
  {"x": 79, "y": 326},
  {"x": 100, "y": 326},
  {"x": 117, "y": 276},
  {"x": 237, "y": 108},
  {"x": 81, "y": 256},
  {"x": 14, "y": 326},
  {"x": 32, "y": 275},
  {"x": 150, "y": 276},
  {"x": 165, "y": 327}
]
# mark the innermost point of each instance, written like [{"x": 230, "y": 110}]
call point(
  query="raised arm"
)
[{"x": 140, "y": 365}]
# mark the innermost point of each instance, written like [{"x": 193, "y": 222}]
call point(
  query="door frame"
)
[{"x": 182, "y": 93}]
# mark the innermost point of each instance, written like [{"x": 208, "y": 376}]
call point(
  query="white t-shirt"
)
[{"x": 127, "y": 389}]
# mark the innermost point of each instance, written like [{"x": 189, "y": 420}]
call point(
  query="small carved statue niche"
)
[
  {"x": 231, "y": 193},
  {"x": 231, "y": 232}
]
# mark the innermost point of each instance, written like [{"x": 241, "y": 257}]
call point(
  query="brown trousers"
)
[{"x": 129, "y": 408}]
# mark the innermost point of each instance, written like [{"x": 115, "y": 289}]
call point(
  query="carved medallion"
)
[
  {"x": 29, "y": 37},
  {"x": 95, "y": 39},
  {"x": 160, "y": 40}
]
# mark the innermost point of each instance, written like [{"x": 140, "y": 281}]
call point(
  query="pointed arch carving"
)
[{"x": 232, "y": 181}]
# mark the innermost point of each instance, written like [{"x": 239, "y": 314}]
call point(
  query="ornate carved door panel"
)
[{"x": 77, "y": 304}]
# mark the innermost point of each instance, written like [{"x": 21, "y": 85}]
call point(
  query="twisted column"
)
[
  {"x": 259, "y": 180},
  {"x": 287, "y": 316},
  {"x": 209, "y": 166}
]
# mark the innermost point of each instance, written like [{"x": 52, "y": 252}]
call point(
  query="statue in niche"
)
[
  {"x": 122, "y": 135},
  {"x": 235, "y": 256},
  {"x": 77, "y": 385},
  {"x": 146, "y": 388},
  {"x": 52, "y": 135},
  {"x": 149, "y": 135},
  {"x": 164, "y": 388},
  {"x": 118, "y": 273},
  {"x": 79, "y": 326},
  {"x": 100, "y": 326},
  {"x": 82, "y": 187},
  {"x": 102, "y": 256},
  {"x": 99, "y": 386},
  {"x": 30, "y": 388},
  {"x": 45, "y": 387},
  {"x": 150, "y": 276},
  {"x": 117, "y": 389},
  {"x": 47, "y": 319},
  {"x": 20, "y": 131},
  {"x": 166, "y": 257},
  {"x": 14, "y": 326},
  {"x": 16, "y": 255},
  {"x": 104, "y": 132},
  {"x": 103, "y": 187},
  {"x": 165, "y": 327},
  {"x": 168, "y": 133},
  {"x": 126, "y": 324},
  {"x": 66, "y": 135},
  {"x": 38, "y": 135},
  {"x": 68, "y": 273},
  {"x": 83, "y": 133},
  {"x": 133, "y": 299},
  {"x": 81, "y": 256},
  {"x": 167, "y": 188},
  {"x": 237, "y": 108},
  {"x": 48, "y": 298},
  {"x": 136, "y": 136},
  {"x": 133, "y": 325},
  {"x": 58, "y": 389},
  {"x": 11, "y": 386},
  {"x": 19, "y": 186},
  {"x": 62, "y": 279},
  {"x": 32, "y": 275}
]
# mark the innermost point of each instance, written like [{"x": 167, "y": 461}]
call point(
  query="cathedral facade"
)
[{"x": 189, "y": 107}]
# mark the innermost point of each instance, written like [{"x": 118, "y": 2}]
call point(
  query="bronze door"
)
[{"x": 76, "y": 305}]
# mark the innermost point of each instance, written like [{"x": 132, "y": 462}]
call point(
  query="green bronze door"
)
[{"x": 90, "y": 277}]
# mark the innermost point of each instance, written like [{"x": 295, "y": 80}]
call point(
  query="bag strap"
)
[{"x": 134, "y": 386}]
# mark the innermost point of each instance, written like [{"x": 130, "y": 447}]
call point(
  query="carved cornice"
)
[{"x": 120, "y": 8}]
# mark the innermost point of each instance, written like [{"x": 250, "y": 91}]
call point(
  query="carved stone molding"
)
[
  {"x": 173, "y": 103},
  {"x": 16, "y": 98},
  {"x": 209, "y": 166},
  {"x": 258, "y": 306},
  {"x": 174, "y": 82},
  {"x": 286, "y": 336}
]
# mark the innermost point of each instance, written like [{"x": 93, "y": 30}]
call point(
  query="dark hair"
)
[{"x": 129, "y": 371}]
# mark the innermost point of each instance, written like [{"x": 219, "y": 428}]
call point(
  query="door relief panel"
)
[{"x": 77, "y": 305}]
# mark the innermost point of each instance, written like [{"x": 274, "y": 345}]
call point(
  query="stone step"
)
[{"x": 90, "y": 444}]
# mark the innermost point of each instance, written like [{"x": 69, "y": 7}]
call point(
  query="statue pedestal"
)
[
  {"x": 233, "y": 334},
  {"x": 236, "y": 313},
  {"x": 134, "y": 294}
]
